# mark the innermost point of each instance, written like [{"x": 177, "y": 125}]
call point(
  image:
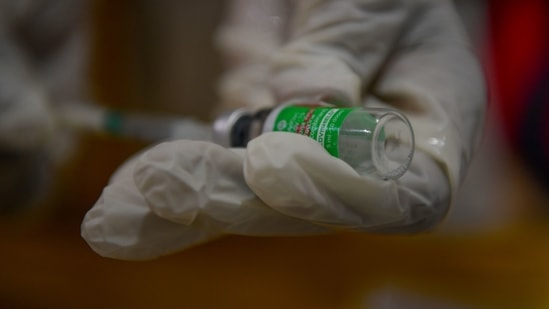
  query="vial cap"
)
[{"x": 223, "y": 126}]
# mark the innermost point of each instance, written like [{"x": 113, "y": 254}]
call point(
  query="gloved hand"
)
[
  {"x": 26, "y": 122},
  {"x": 26, "y": 128},
  {"x": 410, "y": 55}
]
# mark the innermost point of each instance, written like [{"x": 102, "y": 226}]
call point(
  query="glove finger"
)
[
  {"x": 187, "y": 181},
  {"x": 121, "y": 225},
  {"x": 294, "y": 175}
]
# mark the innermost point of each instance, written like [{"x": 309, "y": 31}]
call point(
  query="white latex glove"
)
[
  {"x": 183, "y": 205},
  {"x": 411, "y": 55},
  {"x": 26, "y": 122},
  {"x": 26, "y": 128}
]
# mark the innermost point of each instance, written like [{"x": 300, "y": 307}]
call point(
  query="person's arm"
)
[{"x": 40, "y": 61}]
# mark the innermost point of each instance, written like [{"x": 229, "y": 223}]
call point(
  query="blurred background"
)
[{"x": 159, "y": 57}]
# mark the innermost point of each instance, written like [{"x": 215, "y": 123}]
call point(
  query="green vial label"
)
[{"x": 319, "y": 123}]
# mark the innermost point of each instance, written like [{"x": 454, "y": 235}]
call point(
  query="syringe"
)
[{"x": 135, "y": 125}]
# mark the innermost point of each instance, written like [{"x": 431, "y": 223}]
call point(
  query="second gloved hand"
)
[{"x": 26, "y": 129}]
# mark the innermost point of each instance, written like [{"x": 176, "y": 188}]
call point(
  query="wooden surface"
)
[{"x": 45, "y": 264}]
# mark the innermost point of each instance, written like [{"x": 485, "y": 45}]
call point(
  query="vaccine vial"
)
[{"x": 376, "y": 141}]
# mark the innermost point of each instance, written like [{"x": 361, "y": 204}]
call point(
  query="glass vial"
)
[{"x": 371, "y": 140}]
